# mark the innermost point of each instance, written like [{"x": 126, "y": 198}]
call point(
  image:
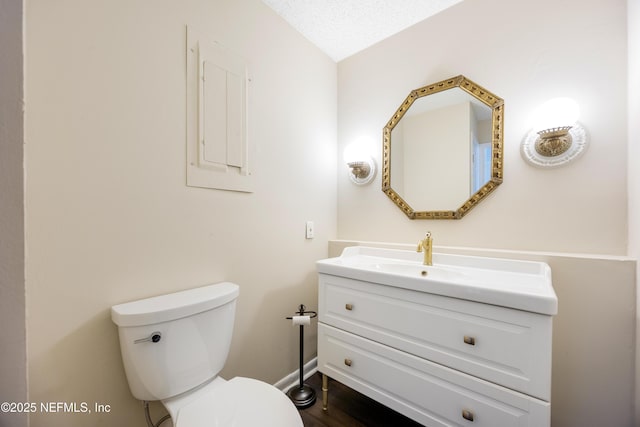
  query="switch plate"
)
[{"x": 309, "y": 230}]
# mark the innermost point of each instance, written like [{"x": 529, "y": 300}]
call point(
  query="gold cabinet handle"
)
[
  {"x": 467, "y": 415},
  {"x": 349, "y": 307},
  {"x": 469, "y": 340},
  {"x": 348, "y": 362}
]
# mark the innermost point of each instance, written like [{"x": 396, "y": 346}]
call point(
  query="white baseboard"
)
[{"x": 293, "y": 379}]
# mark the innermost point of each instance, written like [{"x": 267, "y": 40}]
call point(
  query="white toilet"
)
[{"x": 173, "y": 347}]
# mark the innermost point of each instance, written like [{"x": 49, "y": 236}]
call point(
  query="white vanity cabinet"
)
[{"x": 438, "y": 359}]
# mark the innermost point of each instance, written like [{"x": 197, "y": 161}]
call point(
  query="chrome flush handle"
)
[{"x": 154, "y": 337}]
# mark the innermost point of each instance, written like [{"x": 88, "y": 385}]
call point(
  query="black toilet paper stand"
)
[{"x": 302, "y": 395}]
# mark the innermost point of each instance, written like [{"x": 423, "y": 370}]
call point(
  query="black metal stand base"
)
[{"x": 302, "y": 397}]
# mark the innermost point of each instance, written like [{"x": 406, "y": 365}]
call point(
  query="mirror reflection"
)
[
  {"x": 445, "y": 138},
  {"x": 443, "y": 149}
]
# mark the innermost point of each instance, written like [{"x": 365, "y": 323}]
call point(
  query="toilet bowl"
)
[
  {"x": 237, "y": 402},
  {"x": 173, "y": 348}
]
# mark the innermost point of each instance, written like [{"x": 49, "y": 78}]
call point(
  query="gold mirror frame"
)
[{"x": 497, "y": 112}]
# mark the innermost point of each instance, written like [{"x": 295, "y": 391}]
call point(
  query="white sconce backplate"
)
[{"x": 577, "y": 148}]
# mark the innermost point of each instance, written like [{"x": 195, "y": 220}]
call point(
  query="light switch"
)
[{"x": 309, "y": 230}]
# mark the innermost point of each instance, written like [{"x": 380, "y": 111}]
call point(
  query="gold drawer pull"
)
[
  {"x": 469, "y": 340},
  {"x": 349, "y": 307},
  {"x": 467, "y": 415},
  {"x": 348, "y": 362}
]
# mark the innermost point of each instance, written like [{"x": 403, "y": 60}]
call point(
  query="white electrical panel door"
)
[{"x": 218, "y": 150}]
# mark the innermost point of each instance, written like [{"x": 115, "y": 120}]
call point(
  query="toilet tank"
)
[{"x": 173, "y": 343}]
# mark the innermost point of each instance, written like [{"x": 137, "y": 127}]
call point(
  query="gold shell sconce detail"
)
[
  {"x": 556, "y": 138},
  {"x": 443, "y": 149}
]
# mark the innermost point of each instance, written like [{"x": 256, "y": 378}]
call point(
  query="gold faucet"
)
[{"x": 426, "y": 245}]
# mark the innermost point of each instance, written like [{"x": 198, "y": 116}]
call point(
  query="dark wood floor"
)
[{"x": 348, "y": 408}]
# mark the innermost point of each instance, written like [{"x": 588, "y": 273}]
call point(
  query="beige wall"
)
[
  {"x": 13, "y": 369},
  {"x": 593, "y": 333},
  {"x": 109, "y": 218},
  {"x": 525, "y": 52},
  {"x": 634, "y": 159}
]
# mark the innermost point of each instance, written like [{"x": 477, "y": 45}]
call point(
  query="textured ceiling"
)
[{"x": 343, "y": 27}]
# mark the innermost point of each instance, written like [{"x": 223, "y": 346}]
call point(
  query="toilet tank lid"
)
[{"x": 164, "y": 308}]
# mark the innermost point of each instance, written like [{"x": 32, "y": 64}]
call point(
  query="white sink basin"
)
[
  {"x": 523, "y": 285},
  {"x": 419, "y": 270}
]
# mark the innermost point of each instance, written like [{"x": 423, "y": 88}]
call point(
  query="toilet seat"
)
[{"x": 239, "y": 402}]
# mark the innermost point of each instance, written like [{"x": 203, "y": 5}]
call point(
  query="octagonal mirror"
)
[{"x": 443, "y": 149}]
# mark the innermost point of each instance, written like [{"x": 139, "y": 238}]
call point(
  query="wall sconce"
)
[
  {"x": 556, "y": 138},
  {"x": 363, "y": 168}
]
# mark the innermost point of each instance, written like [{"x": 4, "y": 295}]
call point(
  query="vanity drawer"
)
[
  {"x": 505, "y": 346},
  {"x": 424, "y": 391}
]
